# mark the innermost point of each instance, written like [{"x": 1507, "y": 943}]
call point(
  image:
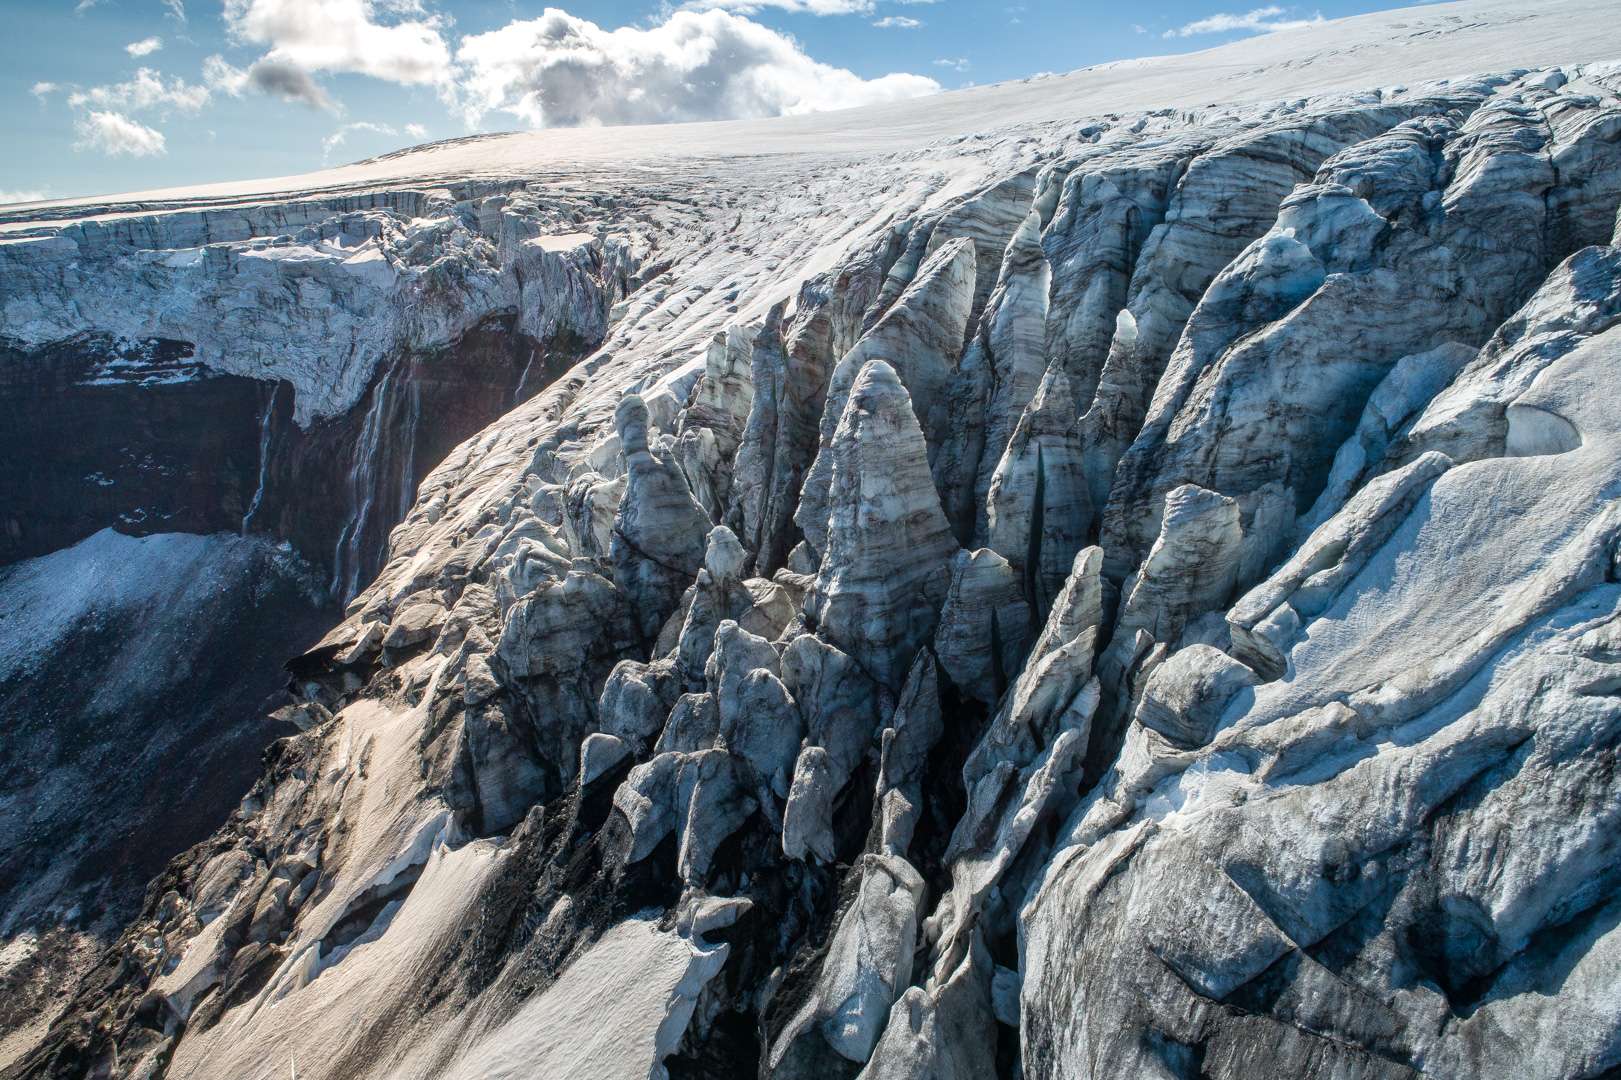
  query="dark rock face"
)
[
  {"x": 136, "y": 438},
  {"x": 148, "y": 720},
  {"x": 336, "y": 489},
  {"x": 136, "y": 730},
  {"x": 143, "y": 440}
]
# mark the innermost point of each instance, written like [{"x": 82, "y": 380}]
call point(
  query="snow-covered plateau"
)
[{"x": 1114, "y": 575}]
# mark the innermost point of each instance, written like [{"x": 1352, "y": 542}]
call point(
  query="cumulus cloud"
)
[
  {"x": 396, "y": 41},
  {"x": 554, "y": 70},
  {"x": 103, "y": 122},
  {"x": 117, "y": 135},
  {"x": 809, "y": 7},
  {"x": 897, "y": 22},
  {"x": 560, "y": 70},
  {"x": 804, "y": 7},
  {"x": 340, "y": 136},
  {"x": 147, "y": 89},
  {"x": 20, "y": 196},
  {"x": 955, "y": 63},
  {"x": 287, "y": 81},
  {"x": 222, "y": 75},
  {"x": 1262, "y": 20},
  {"x": 267, "y": 77}
]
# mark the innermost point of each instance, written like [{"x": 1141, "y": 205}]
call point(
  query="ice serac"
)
[
  {"x": 1228, "y": 195},
  {"x": 790, "y": 379},
  {"x": 1038, "y": 510},
  {"x": 1023, "y": 773},
  {"x": 376, "y": 272},
  {"x": 868, "y": 962},
  {"x": 1320, "y": 912},
  {"x": 659, "y": 532},
  {"x": 1113, "y": 575},
  {"x": 916, "y": 1045},
  {"x": 1469, "y": 419},
  {"x": 1405, "y": 218},
  {"x": 984, "y": 625},
  {"x": 884, "y": 569},
  {"x": 711, "y": 426},
  {"x": 1000, "y": 368},
  {"x": 919, "y": 341},
  {"x": 1108, "y": 208}
]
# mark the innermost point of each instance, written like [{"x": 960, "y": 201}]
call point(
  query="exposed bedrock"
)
[
  {"x": 163, "y": 449},
  {"x": 129, "y": 734},
  {"x": 154, "y": 691},
  {"x": 163, "y": 444},
  {"x": 1140, "y": 601}
]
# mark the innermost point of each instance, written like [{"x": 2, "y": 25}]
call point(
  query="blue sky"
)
[{"x": 117, "y": 95}]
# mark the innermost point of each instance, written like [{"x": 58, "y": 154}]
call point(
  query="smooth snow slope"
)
[{"x": 1399, "y": 47}]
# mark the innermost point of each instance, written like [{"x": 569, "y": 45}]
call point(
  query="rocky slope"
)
[{"x": 1021, "y": 588}]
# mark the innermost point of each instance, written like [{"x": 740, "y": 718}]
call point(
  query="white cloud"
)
[
  {"x": 1262, "y": 20},
  {"x": 287, "y": 81},
  {"x": 267, "y": 77},
  {"x": 554, "y": 70},
  {"x": 406, "y": 45},
  {"x": 559, "y": 70},
  {"x": 799, "y": 7},
  {"x": 103, "y": 122},
  {"x": 147, "y": 89},
  {"x": 808, "y": 7},
  {"x": 20, "y": 196},
  {"x": 955, "y": 63},
  {"x": 340, "y": 136},
  {"x": 220, "y": 74},
  {"x": 117, "y": 135}
]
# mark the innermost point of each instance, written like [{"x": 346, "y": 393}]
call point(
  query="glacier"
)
[{"x": 1115, "y": 574}]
